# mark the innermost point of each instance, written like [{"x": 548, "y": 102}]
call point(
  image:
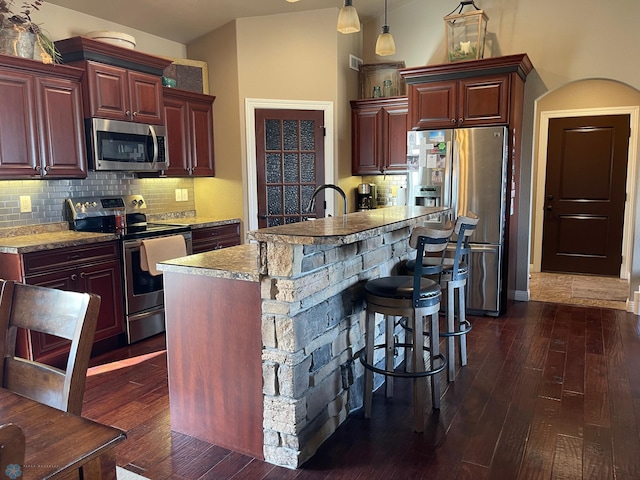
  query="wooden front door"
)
[
  {"x": 290, "y": 164},
  {"x": 585, "y": 194}
]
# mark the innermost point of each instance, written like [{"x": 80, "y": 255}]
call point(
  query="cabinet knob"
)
[
  {"x": 460, "y": 121},
  {"x": 135, "y": 114},
  {"x": 47, "y": 168},
  {"x": 82, "y": 274},
  {"x": 193, "y": 169},
  {"x": 38, "y": 168},
  {"x": 453, "y": 120},
  {"x": 74, "y": 276},
  {"x": 128, "y": 113}
]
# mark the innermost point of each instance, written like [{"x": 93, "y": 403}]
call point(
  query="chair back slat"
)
[
  {"x": 427, "y": 240},
  {"x": 69, "y": 315},
  {"x": 465, "y": 226}
]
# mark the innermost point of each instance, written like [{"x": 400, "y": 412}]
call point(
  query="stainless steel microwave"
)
[{"x": 126, "y": 146}]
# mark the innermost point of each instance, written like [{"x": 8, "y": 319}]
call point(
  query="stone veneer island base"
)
[{"x": 262, "y": 338}]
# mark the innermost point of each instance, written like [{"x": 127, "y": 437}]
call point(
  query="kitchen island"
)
[{"x": 262, "y": 337}]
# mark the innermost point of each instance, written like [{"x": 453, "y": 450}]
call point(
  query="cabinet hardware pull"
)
[
  {"x": 453, "y": 120},
  {"x": 82, "y": 274},
  {"x": 460, "y": 121},
  {"x": 135, "y": 114},
  {"x": 128, "y": 113},
  {"x": 38, "y": 168},
  {"x": 74, "y": 276},
  {"x": 47, "y": 168}
]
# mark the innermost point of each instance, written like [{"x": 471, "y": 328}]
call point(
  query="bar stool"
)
[
  {"x": 413, "y": 297},
  {"x": 453, "y": 278}
]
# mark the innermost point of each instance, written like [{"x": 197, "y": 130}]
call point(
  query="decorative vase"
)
[{"x": 16, "y": 40}]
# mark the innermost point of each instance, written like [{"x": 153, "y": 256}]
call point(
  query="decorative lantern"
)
[{"x": 466, "y": 32}]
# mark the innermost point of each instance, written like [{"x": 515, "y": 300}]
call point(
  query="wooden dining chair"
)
[
  {"x": 69, "y": 315},
  {"x": 12, "y": 447}
]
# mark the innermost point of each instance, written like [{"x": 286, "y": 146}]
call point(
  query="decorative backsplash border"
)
[{"x": 48, "y": 196}]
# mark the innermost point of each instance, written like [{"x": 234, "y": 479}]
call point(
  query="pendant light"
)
[
  {"x": 348, "y": 21},
  {"x": 385, "y": 44}
]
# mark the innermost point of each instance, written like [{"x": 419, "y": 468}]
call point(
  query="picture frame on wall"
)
[{"x": 190, "y": 75}]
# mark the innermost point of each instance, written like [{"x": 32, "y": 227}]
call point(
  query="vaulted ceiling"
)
[{"x": 185, "y": 20}]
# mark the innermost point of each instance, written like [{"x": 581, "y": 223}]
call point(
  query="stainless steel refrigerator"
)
[{"x": 467, "y": 169}]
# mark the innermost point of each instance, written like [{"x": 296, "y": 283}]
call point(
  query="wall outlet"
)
[{"x": 25, "y": 204}]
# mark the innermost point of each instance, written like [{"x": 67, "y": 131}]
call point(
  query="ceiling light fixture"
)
[
  {"x": 385, "y": 44},
  {"x": 292, "y": 1},
  {"x": 348, "y": 21}
]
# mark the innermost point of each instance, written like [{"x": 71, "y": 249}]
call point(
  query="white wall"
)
[{"x": 60, "y": 23}]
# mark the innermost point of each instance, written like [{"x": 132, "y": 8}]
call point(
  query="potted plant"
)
[{"x": 20, "y": 36}]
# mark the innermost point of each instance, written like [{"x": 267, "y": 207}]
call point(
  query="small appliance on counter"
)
[{"x": 366, "y": 196}]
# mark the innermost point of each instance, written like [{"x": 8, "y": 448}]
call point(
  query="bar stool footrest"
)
[
  {"x": 393, "y": 373},
  {"x": 467, "y": 329}
]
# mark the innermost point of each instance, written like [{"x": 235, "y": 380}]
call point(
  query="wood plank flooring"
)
[{"x": 551, "y": 392}]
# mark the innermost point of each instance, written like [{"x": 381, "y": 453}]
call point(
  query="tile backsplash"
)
[{"x": 48, "y": 196}]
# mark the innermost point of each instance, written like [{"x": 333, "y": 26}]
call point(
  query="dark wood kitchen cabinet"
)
[
  {"x": 119, "y": 94},
  {"x": 189, "y": 122},
  {"x": 214, "y": 238},
  {"x": 466, "y": 94},
  {"x": 379, "y": 136},
  {"x": 41, "y": 120},
  {"x": 91, "y": 268},
  {"x": 120, "y": 83},
  {"x": 460, "y": 103}
]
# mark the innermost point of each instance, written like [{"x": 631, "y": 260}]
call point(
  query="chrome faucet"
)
[{"x": 312, "y": 202}]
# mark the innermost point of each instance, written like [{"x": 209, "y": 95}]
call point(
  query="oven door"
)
[{"x": 144, "y": 294}]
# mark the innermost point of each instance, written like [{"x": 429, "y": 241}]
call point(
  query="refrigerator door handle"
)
[{"x": 454, "y": 178}]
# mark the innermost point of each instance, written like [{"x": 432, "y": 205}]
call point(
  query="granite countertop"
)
[
  {"x": 345, "y": 229},
  {"x": 235, "y": 263},
  {"x": 48, "y": 240},
  {"x": 196, "y": 222}
]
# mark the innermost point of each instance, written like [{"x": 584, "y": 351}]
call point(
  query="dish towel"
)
[{"x": 156, "y": 250}]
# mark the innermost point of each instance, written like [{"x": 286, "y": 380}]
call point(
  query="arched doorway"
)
[{"x": 585, "y": 98}]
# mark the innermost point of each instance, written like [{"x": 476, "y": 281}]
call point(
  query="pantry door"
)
[
  {"x": 585, "y": 193},
  {"x": 289, "y": 164}
]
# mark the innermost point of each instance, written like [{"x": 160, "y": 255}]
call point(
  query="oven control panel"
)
[{"x": 87, "y": 207}]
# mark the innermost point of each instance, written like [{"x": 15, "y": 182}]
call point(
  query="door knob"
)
[{"x": 549, "y": 197}]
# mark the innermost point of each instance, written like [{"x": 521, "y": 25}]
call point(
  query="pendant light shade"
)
[
  {"x": 348, "y": 21},
  {"x": 385, "y": 44}
]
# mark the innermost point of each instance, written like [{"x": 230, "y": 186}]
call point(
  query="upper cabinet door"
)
[
  {"x": 61, "y": 127},
  {"x": 108, "y": 94},
  {"x": 366, "y": 138},
  {"x": 484, "y": 101},
  {"x": 145, "y": 98},
  {"x": 175, "y": 114},
  {"x": 433, "y": 105},
  {"x": 18, "y": 147},
  {"x": 396, "y": 138},
  {"x": 120, "y": 94},
  {"x": 202, "y": 153}
]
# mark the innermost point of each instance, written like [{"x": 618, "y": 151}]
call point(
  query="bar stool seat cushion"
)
[{"x": 400, "y": 287}]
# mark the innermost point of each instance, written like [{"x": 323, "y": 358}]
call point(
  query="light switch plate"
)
[
  {"x": 185, "y": 194},
  {"x": 178, "y": 195},
  {"x": 25, "y": 204}
]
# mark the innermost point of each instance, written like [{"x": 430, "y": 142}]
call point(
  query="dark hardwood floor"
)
[{"x": 551, "y": 391}]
